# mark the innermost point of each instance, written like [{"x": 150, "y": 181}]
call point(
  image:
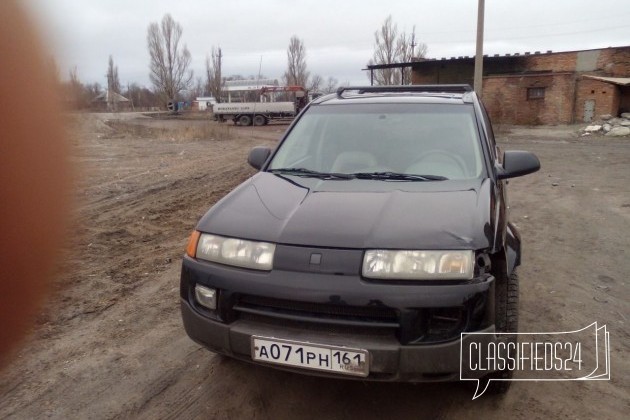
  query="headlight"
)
[
  {"x": 238, "y": 252},
  {"x": 418, "y": 265}
]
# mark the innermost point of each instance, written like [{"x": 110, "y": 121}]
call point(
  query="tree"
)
[
  {"x": 407, "y": 52},
  {"x": 331, "y": 85},
  {"x": 214, "y": 79},
  {"x": 141, "y": 97},
  {"x": 170, "y": 60},
  {"x": 296, "y": 73},
  {"x": 92, "y": 90},
  {"x": 385, "y": 51},
  {"x": 113, "y": 84},
  {"x": 391, "y": 47},
  {"x": 316, "y": 83},
  {"x": 199, "y": 89},
  {"x": 53, "y": 70},
  {"x": 76, "y": 95}
]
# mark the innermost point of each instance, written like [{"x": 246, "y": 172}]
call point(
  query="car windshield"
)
[{"x": 437, "y": 141}]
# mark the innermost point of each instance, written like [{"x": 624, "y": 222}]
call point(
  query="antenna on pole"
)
[
  {"x": 258, "y": 77},
  {"x": 259, "y": 68},
  {"x": 257, "y": 93},
  {"x": 413, "y": 43},
  {"x": 220, "y": 55},
  {"x": 411, "y": 56}
]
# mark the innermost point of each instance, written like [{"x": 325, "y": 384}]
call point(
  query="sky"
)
[{"x": 338, "y": 34}]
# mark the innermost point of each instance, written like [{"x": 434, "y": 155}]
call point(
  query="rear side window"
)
[{"x": 423, "y": 139}]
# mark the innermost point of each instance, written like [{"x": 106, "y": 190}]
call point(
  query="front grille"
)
[
  {"x": 320, "y": 328},
  {"x": 410, "y": 326},
  {"x": 368, "y": 316}
]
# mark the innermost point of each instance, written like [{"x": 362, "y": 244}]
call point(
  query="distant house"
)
[
  {"x": 111, "y": 101},
  {"x": 540, "y": 88},
  {"x": 204, "y": 103}
]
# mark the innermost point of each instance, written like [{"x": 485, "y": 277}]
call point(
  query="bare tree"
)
[
  {"x": 113, "y": 85},
  {"x": 316, "y": 83},
  {"x": 73, "y": 75},
  {"x": 391, "y": 47},
  {"x": 406, "y": 52},
  {"x": 214, "y": 79},
  {"x": 75, "y": 91},
  {"x": 331, "y": 85},
  {"x": 296, "y": 73},
  {"x": 198, "y": 89},
  {"x": 75, "y": 94},
  {"x": 53, "y": 70},
  {"x": 385, "y": 51},
  {"x": 141, "y": 97},
  {"x": 170, "y": 60},
  {"x": 92, "y": 90}
]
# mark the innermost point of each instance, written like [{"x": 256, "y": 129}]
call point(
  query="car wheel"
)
[
  {"x": 259, "y": 120},
  {"x": 506, "y": 321},
  {"x": 244, "y": 120}
]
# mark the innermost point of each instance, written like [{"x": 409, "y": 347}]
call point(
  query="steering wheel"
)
[{"x": 457, "y": 160}]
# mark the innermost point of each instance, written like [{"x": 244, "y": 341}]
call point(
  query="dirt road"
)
[{"x": 110, "y": 343}]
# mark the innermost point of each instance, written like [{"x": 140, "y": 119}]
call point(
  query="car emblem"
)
[{"x": 316, "y": 259}]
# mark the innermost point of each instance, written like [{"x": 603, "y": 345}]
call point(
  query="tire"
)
[
  {"x": 260, "y": 120},
  {"x": 507, "y": 305},
  {"x": 244, "y": 120},
  {"x": 506, "y": 321}
]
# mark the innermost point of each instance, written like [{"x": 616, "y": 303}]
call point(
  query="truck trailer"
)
[{"x": 260, "y": 113}]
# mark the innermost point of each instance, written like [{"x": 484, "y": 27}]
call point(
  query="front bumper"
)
[{"x": 412, "y": 331}]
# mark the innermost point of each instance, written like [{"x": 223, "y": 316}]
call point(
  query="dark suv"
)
[{"x": 375, "y": 233}]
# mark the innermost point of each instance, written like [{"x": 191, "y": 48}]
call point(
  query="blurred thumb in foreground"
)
[{"x": 34, "y": 177}]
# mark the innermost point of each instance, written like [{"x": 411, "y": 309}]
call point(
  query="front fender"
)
[{"x": 513, "y": 245}]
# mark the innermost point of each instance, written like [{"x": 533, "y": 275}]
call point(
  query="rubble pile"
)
[{"x": 609, "y": 126}]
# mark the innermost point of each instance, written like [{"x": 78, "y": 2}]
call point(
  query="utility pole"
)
[
  {"x": 413, "y": 43},
  {"x": 220, "y": 55},
  {"x": 218, "y": 77},
  {"x": 413, "y": 53},
  {"x": 479, "y": 53}
]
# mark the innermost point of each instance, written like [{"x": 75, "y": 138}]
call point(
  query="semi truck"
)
[{"x": 260, "y": 113}]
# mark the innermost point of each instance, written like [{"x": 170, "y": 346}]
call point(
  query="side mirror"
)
[
  {"x": 258, "y": 156},
  {"x": 518, "y": 163}
]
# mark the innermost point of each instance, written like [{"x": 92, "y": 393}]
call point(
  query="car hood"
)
[{"x": 356, "y": 213}]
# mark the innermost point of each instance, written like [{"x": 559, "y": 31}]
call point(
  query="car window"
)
[
  {"x": 299, "y": 153},
  {"x": 422, "y": 139}
]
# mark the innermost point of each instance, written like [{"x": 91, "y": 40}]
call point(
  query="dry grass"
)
[
  {"x": 176, "y": 130},
  {"x": 207, "y": 130}
]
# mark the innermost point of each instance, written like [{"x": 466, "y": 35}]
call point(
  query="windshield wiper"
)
[
  {"x": 310, "y": 173},
  {"x": 396, "y": 176}
]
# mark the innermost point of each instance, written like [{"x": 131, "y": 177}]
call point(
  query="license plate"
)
[{"x": 311, "y": 356}]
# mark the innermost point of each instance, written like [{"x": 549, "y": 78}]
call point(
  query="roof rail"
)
[{"x": 406, "y": 88}]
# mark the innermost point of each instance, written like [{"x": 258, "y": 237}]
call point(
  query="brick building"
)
[{"x": 548, "y": 88}]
